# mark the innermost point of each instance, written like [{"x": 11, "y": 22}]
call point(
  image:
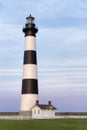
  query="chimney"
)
[
  {"x": 37, "y": 102},
  {"x": 49, "y": 102}
]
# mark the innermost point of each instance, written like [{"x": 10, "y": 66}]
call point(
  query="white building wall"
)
[{"x": 42, "y": 113}]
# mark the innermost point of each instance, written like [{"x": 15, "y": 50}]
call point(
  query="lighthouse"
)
[{"x": 29, "y": 93}]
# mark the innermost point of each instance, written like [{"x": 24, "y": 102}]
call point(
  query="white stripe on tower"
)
[
  {"x": 28, "y": 73},
  {"x": 30, "y": 79},
  {"x": 28, "y": 41}
]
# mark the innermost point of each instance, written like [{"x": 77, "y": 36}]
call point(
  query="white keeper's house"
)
[{"x": 43, "y": 110}]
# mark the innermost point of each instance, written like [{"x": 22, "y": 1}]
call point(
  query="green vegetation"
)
[
  {"x": 57, "y": 113},
  {"x": 51, "y": 124},
  {"x": 9, "y": 113},
  {"x": 72, "y": 113}
]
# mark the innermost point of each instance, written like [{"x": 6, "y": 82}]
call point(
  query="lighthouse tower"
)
[{"x": 30, "y": 80}]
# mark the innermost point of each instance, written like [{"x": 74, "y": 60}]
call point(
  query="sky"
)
[{"x": 61, "y": 52}]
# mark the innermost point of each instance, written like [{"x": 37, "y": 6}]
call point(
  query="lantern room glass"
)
[{"x": 30, "y": 20}]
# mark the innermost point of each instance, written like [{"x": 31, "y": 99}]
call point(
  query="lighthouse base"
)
[{"x": 25, "y": 113}]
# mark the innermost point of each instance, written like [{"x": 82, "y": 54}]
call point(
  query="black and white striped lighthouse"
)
[{"x": 30, "y": 79}]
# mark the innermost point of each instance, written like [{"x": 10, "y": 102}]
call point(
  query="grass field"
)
[{"x": 56, "y": 124}]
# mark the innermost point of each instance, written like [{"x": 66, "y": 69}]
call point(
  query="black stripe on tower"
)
[
  {"x": 30, "y": 57},
  {"x": 29, "y": 86},
  {"x": 30, "y": 31}
]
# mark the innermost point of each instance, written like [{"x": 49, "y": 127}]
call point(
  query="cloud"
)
[
  {"x": 10, "y": 32},
  {"x": 63, "y": 77},
  {"x": 64, "y": 44},
  {"x": 68, "y": 8},
  {"x": 64, "y": 35},
  {"x": 59, "y": 12},
  {"x": 10, "y": 72},
  {"x": 10, "y": 88}
]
